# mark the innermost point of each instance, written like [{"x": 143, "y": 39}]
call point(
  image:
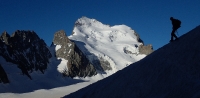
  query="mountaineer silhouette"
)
[{"x": 175, "y": 25}]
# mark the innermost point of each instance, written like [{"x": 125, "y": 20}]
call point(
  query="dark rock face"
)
[
  {"x": 3, "y": 76},
  {"x": 145, "y": 49},
  {"x": 78, "y": 64},
  {"x": 25, "y": 49},
  {"x": 101, "y": 64},
  {"x": 138, "y": 38}
]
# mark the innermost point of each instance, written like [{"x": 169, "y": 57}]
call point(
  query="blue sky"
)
[{"x": 149, "y": 18}]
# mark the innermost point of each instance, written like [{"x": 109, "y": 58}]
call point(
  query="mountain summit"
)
[
  {"x": 108, "y": 48},
  {"x": 173, "y": 71},
  {"x": 96, "y": 48}
]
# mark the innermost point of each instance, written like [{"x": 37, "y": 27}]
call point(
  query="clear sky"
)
[{"x": 149, "y": 18}]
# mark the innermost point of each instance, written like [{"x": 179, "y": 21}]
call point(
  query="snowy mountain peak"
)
[
  {"x": 97, "y": 30},
  {"x": 117, "y": 45},
  {"x": 98, "y": 46}
]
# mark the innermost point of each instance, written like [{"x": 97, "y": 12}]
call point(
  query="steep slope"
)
[
  {"x": 108, "y": 48},
  {"x": 172, "y": 71}
]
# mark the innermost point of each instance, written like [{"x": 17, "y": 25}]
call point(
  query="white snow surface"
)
[
  {"x": 57, "y": 47},
  {"x": 62, "y": 66},
  {"x": 97, "y": 40},
  {"x": 172, "y": 71}
]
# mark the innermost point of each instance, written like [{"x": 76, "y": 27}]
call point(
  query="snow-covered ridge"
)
[{"x": 118, "y": 45}]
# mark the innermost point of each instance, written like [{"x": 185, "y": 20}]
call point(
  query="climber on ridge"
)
[{"x": 175, "y": 25}]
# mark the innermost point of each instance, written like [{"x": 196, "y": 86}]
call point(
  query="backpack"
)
[{"x": 177, "y": 23}]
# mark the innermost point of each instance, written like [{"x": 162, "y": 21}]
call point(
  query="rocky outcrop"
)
[
  {"x": 77, "y": 62},
  {"x": 145, "y": 49},
  {"x": 4, "y": 37},
  {"x": 25, "y": 49}
]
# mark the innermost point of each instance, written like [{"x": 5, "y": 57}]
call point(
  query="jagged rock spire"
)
[{"x": 77, "y": 63}]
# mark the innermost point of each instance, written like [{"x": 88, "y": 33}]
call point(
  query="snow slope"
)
[
  {"x": 97, "y": 40},
  {"x": 173, "y": 71}
]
